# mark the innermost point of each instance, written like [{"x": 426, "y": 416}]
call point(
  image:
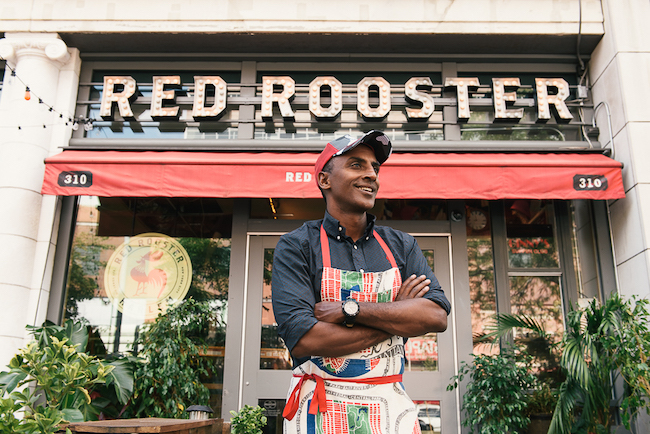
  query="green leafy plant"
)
[
  {"x": 248, "y": 420},
  {"x": 170, "y": 377},
  {"x": 52, "y": 380},
  {"x": 601, "y": 343},
  {"x": 496, "y": 398},
  {"x": 542, "y": 347},
  {"x": 542, "y": 401},
  {"x": 9, "y": 424}
]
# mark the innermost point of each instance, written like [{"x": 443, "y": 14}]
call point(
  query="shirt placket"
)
[{"x": 358, "y": 258}]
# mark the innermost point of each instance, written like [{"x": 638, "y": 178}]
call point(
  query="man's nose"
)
[{"x": 370, "y": 173}]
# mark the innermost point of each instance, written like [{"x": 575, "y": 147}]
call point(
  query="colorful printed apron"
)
[{"x": 360, "y": 393}]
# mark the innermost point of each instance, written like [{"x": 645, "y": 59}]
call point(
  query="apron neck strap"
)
[{"x": 325, "y": 248}]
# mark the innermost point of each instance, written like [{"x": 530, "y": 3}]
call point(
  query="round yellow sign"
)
[{"x": 146, "y": 273}]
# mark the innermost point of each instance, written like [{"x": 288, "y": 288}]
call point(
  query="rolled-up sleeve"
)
[{"x": 293, "y": 294}]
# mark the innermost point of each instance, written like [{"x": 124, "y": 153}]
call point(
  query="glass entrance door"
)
[{"x": 267, "y": 364}]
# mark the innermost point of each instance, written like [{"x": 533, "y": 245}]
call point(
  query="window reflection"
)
[
  {"x": 480, "y": 258},
  {"x": 421, "y": 352},
  {"x": 538, "y": 297},
  {"x": 273, "y": 353},
  {"x": 314, "y": 209},
  {"x": 531, "y": 235},
  {"x": 272, "y": 409},
  {"x": 428, "y": 416},
  {"x": 127, "y": 262}
]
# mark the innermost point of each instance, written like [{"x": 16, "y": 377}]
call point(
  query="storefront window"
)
[
  {"x": 429, "y": 416},
  {"x": 422, "y": 351},
  {"x": 531, "y": 234},
  {"x": 417, "y": 135},
  {"x": 273, "y": 353},
  {"x": 132, "y": 259},
  {"x": 538, "y": 297},
  {"x": 584, "y": 249},
  {"x": 314, "y": 209},
  {"x": 532, "y": 247},
  {"x": 480, "y": 258}
]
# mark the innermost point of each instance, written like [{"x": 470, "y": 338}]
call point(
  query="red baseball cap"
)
[{"x": 377, "y": 140}]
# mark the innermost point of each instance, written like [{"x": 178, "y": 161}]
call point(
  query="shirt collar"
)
[{"x": 332, "y": 226}]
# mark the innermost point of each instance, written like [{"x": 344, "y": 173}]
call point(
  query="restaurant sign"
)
[{"x": 373, "y": 97}]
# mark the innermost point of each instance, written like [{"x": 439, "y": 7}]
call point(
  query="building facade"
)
[{"x": 154, "y": 151}]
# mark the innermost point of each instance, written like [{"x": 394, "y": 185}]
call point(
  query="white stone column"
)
[
  {"x": 28, "y": 220},
  {"x": 619, "y": 71}
]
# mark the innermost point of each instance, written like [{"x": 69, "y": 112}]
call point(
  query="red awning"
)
[{"x": 290, "y": 175}]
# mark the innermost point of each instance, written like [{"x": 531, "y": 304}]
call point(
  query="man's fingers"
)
[{"x": 413, "y": 287}]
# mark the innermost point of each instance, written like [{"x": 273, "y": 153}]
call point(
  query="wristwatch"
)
[{"x": 350, "y": 309}]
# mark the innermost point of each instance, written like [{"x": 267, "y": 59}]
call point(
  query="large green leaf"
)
[
  {"x": 72, "y": 415},
  {"x": 9, "y": 381},
  {"x": 43, "y": 334},
  {"x": 121, "y": 378},
  {"x": 77, "y": 333}
]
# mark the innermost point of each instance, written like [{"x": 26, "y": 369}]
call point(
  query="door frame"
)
[
  {"x": 249, "y": 361},
  {"x": 458, "y": 293}
]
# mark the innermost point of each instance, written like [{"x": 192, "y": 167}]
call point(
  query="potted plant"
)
[
  {"x": 541, "y": 404},
  {"x": 248, "y": 420},
  {"x": 52, "y": 380},
  {"x": 602, "y": 342},
  {"x": 171, "y": 375},
  {"x": 497, "y": 396}
]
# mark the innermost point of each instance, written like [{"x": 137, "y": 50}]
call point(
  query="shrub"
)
[{"x": 496, "y": 398}]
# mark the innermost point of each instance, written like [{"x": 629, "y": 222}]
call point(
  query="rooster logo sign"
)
[{"x": 146, "y": 273}]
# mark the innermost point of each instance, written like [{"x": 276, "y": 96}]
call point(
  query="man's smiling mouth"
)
[{"x": 366, "y": 189}]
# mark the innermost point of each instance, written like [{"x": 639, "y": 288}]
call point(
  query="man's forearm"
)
[
  {"x": 408, "y": 318},
  {"x": 334, "y": 340}
]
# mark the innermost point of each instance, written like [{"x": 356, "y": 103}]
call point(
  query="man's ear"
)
[{"x": 324, "y": 180}]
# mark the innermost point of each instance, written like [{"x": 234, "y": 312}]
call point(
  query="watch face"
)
[
  {"x": 477, "y": 220},
  {"x": 350, "y": 307}
]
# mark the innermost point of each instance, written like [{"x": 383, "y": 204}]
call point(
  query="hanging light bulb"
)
[{"x": 28, "y": 94}]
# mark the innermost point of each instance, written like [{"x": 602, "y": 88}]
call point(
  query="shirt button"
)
[
  {"x": 338, "y": 237},
  {"x": 361, "y": 270},
  {"x": 340, "y": 228},
  {"x": 355, "y": 247},
  {"x": 367, "y": 238}
]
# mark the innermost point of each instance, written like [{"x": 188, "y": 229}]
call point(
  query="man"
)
[{"x": 345, "y": 294}]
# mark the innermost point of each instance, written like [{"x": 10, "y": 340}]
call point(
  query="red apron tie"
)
[{"x": 319, "y": 401}]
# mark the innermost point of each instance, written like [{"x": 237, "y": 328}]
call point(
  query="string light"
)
[{"x": 87, "y": 122}]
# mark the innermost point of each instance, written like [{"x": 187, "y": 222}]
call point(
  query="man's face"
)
[{"x": 353, "y": 181}]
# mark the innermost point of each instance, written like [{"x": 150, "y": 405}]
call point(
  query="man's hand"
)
[
  {"x": 329, "y": 311},
  {"x": 413, "y": 287}
]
